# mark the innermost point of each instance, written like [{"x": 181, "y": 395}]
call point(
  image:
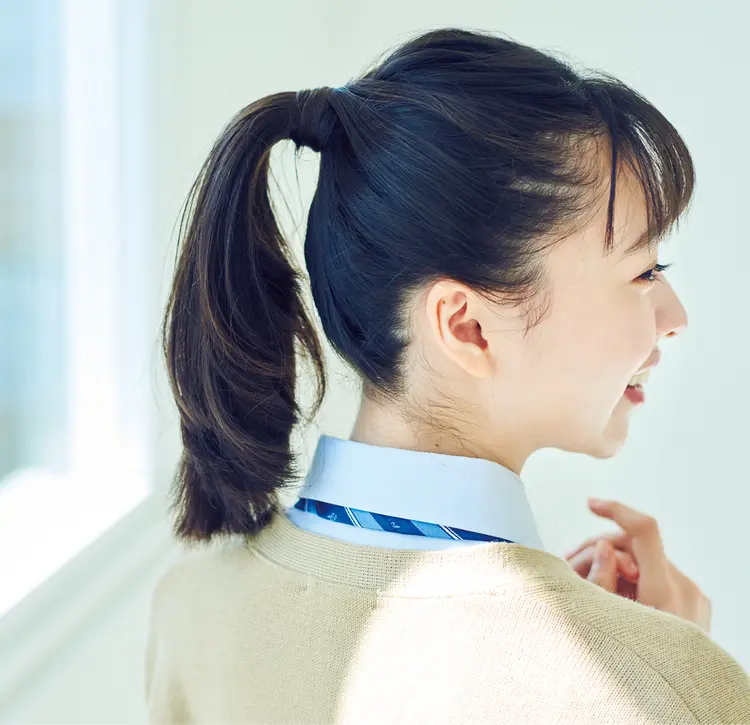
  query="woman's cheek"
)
[{"x": 637, "y": 335}]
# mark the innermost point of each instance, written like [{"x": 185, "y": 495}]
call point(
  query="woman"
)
[{"x": 482, "y": 249}]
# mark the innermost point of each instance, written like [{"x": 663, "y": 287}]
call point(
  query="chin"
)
[
  {"x": 603, "y": 445},
  {"x": 612, "y": 438},
  {"x": 604, "y": 442},
  {"x": 607, "y": 449}
]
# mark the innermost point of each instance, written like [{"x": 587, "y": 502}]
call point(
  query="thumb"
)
[{"x": 604, "y": 567}]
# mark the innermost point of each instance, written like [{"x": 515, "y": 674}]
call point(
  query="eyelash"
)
[{"x": 657, "y": 269}]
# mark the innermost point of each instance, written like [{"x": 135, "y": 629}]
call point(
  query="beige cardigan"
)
[{"x": 295, "y": 627}]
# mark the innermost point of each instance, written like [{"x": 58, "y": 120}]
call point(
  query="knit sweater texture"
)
[{"x": 290, "y": 626}]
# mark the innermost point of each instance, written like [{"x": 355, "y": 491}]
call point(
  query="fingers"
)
[
  {"x": 627, "y": 589},
  {"x": 618, "y": 513},
  {"x": 604, "y": 567},
  {"x": 583, "y": 560},
  {"x": 645, "y": 538},
  {"x": 628, "y": 519},
  {"x": 618, "y": 539}
]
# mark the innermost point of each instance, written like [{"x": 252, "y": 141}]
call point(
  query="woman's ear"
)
[{"x": 453, "y": 314}]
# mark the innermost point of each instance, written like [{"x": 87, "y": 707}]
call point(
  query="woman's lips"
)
[{"x": 635, "y": 395}]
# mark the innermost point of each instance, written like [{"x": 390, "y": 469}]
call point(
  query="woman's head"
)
[
  {"x": 466, "y": 251},
  {"x": 501, "y": 387}
]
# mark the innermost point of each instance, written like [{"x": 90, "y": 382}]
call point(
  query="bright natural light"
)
[{"x": 73, "y": 447}]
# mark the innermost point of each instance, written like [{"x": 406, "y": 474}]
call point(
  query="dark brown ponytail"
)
[{"x": 233, "y": 321}]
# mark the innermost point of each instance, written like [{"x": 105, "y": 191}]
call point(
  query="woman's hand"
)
[{"x": 632, "y": 563}]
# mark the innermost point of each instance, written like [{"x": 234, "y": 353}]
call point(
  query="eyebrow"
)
[{"x": 644, "y": 241}]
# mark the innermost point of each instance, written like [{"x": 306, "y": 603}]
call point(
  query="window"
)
[{"x": 76, "y": 336}]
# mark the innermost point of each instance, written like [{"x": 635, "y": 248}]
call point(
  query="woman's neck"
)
[{"x": 387, "y": 426}]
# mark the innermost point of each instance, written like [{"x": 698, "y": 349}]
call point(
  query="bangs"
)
[{"x": 651, "y": 146}]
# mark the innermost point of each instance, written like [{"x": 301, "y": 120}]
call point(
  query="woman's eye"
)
[{"x": 648, "y": 275}]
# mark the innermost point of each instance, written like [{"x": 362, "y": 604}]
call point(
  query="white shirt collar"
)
[{"x": 466, "y": 493}]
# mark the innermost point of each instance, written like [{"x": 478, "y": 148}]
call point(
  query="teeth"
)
[{"x": 641, "y": 378}]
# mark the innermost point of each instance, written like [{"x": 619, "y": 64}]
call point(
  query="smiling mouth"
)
[
  {"x": 640, "y": 378},
  {"x": 643, "y": 374}
]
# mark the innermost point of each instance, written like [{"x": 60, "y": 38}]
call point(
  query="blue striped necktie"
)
[{"x": 383, "y": 522}]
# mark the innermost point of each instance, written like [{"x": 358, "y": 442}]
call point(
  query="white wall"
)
[{"x": 684, "y": 463}]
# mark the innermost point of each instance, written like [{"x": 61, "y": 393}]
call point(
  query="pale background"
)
[{"x": 685, "y": 461}]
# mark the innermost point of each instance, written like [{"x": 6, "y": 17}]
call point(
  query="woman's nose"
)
[{"x": 671, "y": 316}]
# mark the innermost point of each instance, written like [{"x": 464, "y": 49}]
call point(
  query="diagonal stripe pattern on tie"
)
[{"x": 394, "y": 524}]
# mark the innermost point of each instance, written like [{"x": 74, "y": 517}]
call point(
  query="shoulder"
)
[
  {"x": 187, "y": 603},
  {"x": 708, "y": 680},
  {"x": 199, "y": 579}
]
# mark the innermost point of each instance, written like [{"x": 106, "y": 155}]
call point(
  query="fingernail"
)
[{"x": 595, "y": 501}]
